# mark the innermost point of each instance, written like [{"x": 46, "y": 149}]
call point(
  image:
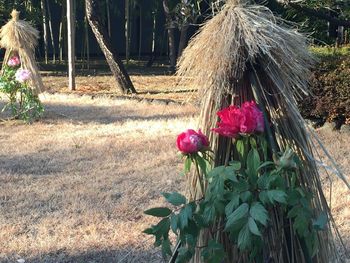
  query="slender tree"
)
[
  {"x": 171, "y": 34},
  {"x": 121, "y": 76},
  {"x": 71, "y": 43},
  {"x": 45, "y": 31}
]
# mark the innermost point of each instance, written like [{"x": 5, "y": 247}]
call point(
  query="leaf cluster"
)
[{"x": 238, "y": 201}]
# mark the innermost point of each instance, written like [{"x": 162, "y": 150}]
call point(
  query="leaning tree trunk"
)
[
  {"x": 171, "y": 34},
  {"x": 121, "y": 76}
]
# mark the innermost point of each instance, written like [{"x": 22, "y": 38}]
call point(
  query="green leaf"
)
[
  {"x": 259, "y": 213},
  {"x": 149, "y": 231},
  {"x": 253, "y": 227},
  {"x": 232, "y": 205},
  {"x": 253, "y": 162},
  {"x": 184, "y": 215},
  {"x": 188, "y": 163},
  {"x": 266, "y": 164},
  {"x": 213, "y": 253},
  {"x": 246, "y": 196},
  {"x": 240, "y": 148},
  {"x": 239, "y": 213},
  {"x": 277, "y": 196},
  {"x": 158, "y": 212},
  {"x": 202, "y": 163},
  {"x": 166, "y": 248},
  {"x": 209, "y": 214},
  {"x": 244, "y": 238},
  {"x": 321, "y": 222},
  {"x": 236, "y": 165},
  {"x": 175, "y": 198},
  {"x": 174, "y": 223},
  {"x": 301, "y": 225},
  {"x": 253, "y": 142}
]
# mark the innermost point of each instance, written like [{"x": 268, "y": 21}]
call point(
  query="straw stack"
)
[
  {"x": 18, "y": 37},
  {"x": 244, "y": 52}
]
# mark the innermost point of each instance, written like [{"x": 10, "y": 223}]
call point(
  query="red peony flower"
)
[
  {"x": 191, "y": 141},
  {"x": 233, "y": 120}
]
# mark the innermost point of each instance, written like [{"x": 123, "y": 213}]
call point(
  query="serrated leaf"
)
[
  {"x": 184, "y": 215},
  {"x": 244, "y": 238},
  {"x": 277, "y": 196},
  {"x": 253, "y": 227},
  {"x": 237, "y": 214},
  {"x": 175, "y": 198},
  {"x": 259, "y": 213},
  {"x": 158, "y": 212},
  {"x": 209, "y": 214},
  {"x": 232, "y": 205}
]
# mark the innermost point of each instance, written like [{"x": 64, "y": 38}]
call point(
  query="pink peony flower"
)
[
  {"x": 233, "y": 120},
  {"x": 191, "y": 141},
  {"x": 14, "y": 62},
  {"x": 22, "y": 75}
]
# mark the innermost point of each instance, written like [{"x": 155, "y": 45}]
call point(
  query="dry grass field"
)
[{"x": 73, "y": 187}]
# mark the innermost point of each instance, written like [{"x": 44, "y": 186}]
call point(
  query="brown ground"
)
[
  {"x": 74, "y": 185},
  {"x": 153, "y": 86}
]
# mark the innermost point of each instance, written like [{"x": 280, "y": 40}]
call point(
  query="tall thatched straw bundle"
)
[
  {"x": 244, "y": 52},
  {"x": 18, "y": 37}
]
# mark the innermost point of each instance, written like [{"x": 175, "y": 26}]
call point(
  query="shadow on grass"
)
[
  {"x": 105, "y": 256},
  {"x": 85, "y": 114}
]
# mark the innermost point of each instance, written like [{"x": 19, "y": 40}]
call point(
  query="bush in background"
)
[{"x": 330, "y": 87}]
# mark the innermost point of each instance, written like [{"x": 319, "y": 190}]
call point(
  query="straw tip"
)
[{"x": 15, "y": 14}]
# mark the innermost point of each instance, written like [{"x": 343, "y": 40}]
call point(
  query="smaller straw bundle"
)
[{"x": 18, "y": 37}]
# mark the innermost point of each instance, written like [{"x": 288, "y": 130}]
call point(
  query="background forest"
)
[{"x": 143, "y": 28}]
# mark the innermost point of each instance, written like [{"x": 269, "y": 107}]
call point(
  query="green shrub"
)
[{"x": 330, "y": 87}]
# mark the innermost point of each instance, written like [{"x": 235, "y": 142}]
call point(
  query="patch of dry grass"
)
[{"x": 74, "y": 185}]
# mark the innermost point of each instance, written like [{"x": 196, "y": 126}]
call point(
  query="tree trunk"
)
[
  {"x": 154, "y": 31},
  {"x": 127, "y": 30},
  {"x": 61, "y": 34},
  {"x": 51, "y": 32},
  {"x": 87, "y": 44},
  {"x": 183, "y": 39},
  {"x": 43, "y": 10},
  {"x": 171, "y": 34},
  {"x": 140, "y": 31},
  {"x": 120, "y": 74},
  {"x": 71, "y": 43}
]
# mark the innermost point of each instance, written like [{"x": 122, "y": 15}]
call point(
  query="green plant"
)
[
  {"x": 239, "y": 200},
  {"x": 22, "y": 102}
]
